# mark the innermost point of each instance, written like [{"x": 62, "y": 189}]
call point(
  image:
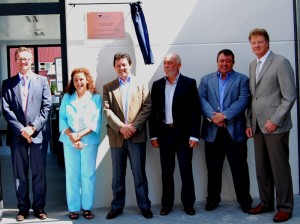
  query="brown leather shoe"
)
[
  {"x": 40, "y": 214},
  {"x": 22, "y": 215},
  {"x": 282, "y": 216},
  {"x": 259, "y": 209}
]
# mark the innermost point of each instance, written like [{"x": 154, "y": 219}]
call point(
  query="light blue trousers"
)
[{"x": 80, "y": 176}]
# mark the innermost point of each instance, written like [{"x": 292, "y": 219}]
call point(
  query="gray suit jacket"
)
[
  {"x": 274, "y": 94},
  {"x": 139, "y": 109}
]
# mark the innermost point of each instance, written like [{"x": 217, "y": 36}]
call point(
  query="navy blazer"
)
[
  {"x": 236, "y": 100},
  {"x": 38, "y": 108},
  {"x": 185, "y": 107}
]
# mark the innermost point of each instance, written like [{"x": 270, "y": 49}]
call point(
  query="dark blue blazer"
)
[
  {"x": 185, "y": 107},
  {"x": 38, "y": 108},
  {"x": 236, "y": 100}
]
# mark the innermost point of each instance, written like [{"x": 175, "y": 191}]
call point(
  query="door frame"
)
[{"x": 43, "y": 9}]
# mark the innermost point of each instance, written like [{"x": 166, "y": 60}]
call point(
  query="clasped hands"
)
[
  {"x": 75, "y": 139},
  {"x": 219, "y": 119},
  {"x": 27, "y": 132},
  {"x": 128, "y": 130}
]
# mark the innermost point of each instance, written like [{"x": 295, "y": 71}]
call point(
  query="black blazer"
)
[{"x": 185, "y": 107}]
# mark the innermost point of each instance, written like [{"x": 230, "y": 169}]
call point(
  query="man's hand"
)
[
  {"x": 193, "y": 143},
  {"x": 155, "y": 143},
  {"x": 128, "y": 130},
  {"x": 27, "y": 132},
  {"x": 222, "y": 125},
  {"x": 218, "y": 118},
  {"x": 249, "y": 132},
  {"x": 270, "y": 126}
]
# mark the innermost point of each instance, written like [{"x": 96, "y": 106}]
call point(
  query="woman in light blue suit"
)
[{"x": 80, "y": 118}]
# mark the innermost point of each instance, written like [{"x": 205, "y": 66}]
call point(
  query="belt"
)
[{"x": 171, "y": 125}]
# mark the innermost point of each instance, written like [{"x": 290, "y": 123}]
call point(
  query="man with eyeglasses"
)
[
  {"x": 273, "y": 90},
  {"x": 224, "y": 97},
  {"x": 26, "y": 106}
]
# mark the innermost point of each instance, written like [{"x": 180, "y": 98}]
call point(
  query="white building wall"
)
[{"x": 196, "y": 30}]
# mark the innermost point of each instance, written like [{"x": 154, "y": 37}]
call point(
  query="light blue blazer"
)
[
  {"x": 90, "y": 117},
  {"x": 236, "y": 100}
]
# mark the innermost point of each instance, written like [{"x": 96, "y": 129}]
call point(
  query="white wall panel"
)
[{"x": 196, "y": 30}]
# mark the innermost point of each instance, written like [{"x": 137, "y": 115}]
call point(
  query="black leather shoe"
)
[
  {"x": 147, "y": 213},
  {"x": 211, "y": 206},
  {"x": 190, "y": 211},
  {"x": 114, "y": 213},
  {"x": 246, "y": 209},
  {"x": 165, "y": 211}
]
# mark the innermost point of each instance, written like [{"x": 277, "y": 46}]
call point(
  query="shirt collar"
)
[
  {"x": 28, "y": 74},
  {"x": 263, "y": 58},
  {"x": 124, "y": 82},
  {"x": 176, "y": 80},
  {"x": 87, "y": 95},
  {"x": 227, "y": 74}
]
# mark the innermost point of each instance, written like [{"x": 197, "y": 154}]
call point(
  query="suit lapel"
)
[
  {"x": 117, "y": 93},
  {"x": 132, "y": 93},
  {"x": 265, "y": 67},
  {"x": 178, "y": 87},
  {"x": 32, "y": 87},
  {"x": 215, "y": 82},
  {"x": 229, "y": 83},
  {"x": 161, "y": 95},
  {"x": 252, "y": 78},
  {"x": 17, "y": 88}
]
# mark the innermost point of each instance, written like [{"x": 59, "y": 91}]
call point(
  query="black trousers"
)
[
  {"x": 236, "y": 153},
  {"x": 172, "y": 142}
]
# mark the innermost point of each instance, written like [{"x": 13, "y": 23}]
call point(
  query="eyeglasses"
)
[{"x": 23, "y": 59}]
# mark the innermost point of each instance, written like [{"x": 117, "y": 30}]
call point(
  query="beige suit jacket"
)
[
  {"x": 139, "y": 109},
  {"x": 273, "y": 95}
]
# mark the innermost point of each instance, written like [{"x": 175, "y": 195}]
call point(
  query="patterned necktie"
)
[
  {"x": 23, "y": 79},
  {"x": 24, "y": 90}
]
